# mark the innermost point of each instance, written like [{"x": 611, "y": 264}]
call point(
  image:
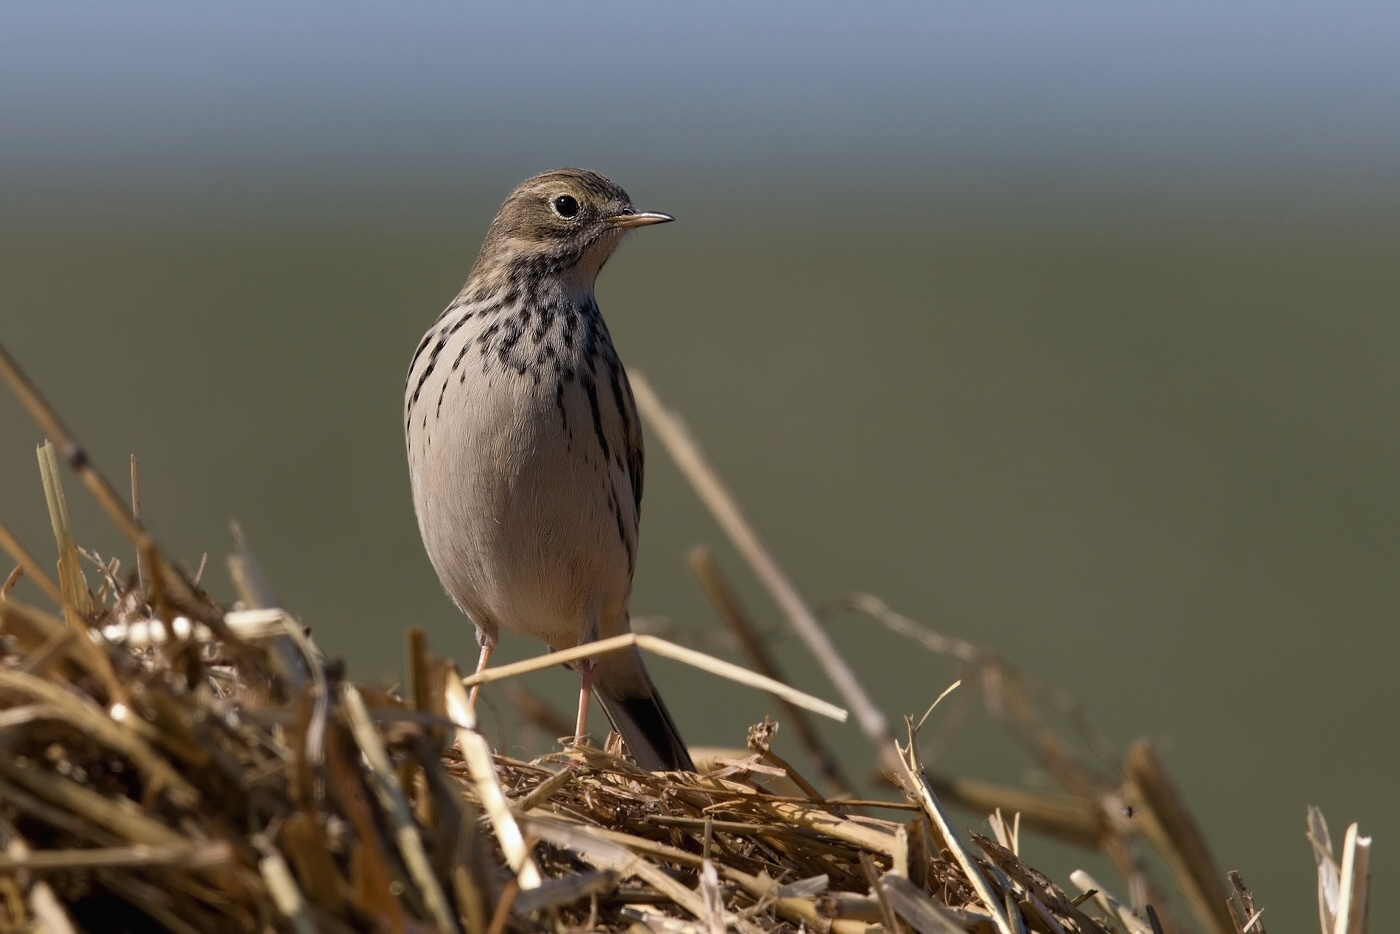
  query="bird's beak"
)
[{"x": 638, "y": 219}]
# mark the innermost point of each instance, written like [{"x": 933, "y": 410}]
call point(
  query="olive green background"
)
[{"x": 1112, "y": 393}]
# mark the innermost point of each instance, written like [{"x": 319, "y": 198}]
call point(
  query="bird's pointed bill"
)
[{"x": 639, "y": 219}]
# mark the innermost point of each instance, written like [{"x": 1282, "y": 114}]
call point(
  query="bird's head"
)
[{"x": 564, "y": 223}]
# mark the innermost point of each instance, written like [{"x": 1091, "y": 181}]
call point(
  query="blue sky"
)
[{"x": 1229, "y": 84}]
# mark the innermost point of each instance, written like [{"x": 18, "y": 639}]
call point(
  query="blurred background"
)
[{"x": 1066, "y": 329}]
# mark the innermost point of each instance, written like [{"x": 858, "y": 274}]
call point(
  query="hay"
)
[{"x": 174, "y": 764}]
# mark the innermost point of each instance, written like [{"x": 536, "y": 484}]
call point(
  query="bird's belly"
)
[{"x": 524, "y": 518}]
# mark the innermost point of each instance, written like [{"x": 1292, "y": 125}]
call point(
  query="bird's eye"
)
[{"x": 565, "y": 205}]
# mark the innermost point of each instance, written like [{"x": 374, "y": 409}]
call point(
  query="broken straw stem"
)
[{"x": 667, "y": 650}]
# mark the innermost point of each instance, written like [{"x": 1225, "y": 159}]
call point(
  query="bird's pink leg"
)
[
  {"x": 486, "y": 649},
  {"x": 585, "y": 693}
]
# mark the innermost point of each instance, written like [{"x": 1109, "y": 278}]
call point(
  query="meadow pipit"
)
[{"x": 525, "y": 451}]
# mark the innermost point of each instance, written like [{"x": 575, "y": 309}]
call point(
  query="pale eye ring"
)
[{"x": 565, "y": 206}]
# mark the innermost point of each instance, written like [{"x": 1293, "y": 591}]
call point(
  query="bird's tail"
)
[{"x": 630, "y": 699}]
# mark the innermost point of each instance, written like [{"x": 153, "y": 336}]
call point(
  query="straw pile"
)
[{"x": 174, "y": 764}]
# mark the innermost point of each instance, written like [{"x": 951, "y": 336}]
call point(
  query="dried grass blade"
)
[
  {"x": 391, "y": 800},
  {"x": 1018, "y": 922},
  {"x": 888, "y": 919},
  {"x": 739, "y": 675},
  {"x": 800, "y": 910},
  {"x": 915, "y": 907},
  {"x": 832, "y": 825},
  {"x": 282, "y": 886},
  {"x": 1177, "y": 836},
  {"x": 654, "y": 877},
  {"x": 1328, "y": 872},
  {"x": 372, "y": 875},
  {"x": 712, "y": 899},
  {"x": 566, "y": 890},
  {"x": 48, "y": 910},
  {"x": 77, "y": 602},
  {"x": 573, "y": 833},
  {"x": 70, "y": 572},
  {"x": 1041, "y": 894},
  {"x": 543, "y": 791},
  {"x": 121, "y": 816},
  {"x": 1067, "y": 817},
  {"x": 184, "y": 855},
  {"x": 665, "y": 649},
  {"x": 805, "y": 888},
  {"x": 1247, "y": 918},
  {"x": 263, "y": 623},
  {"x": 420, "y": 686},
  {"x": 1046, "y": 917},
  {"x": 914, "y": 774},
  {"x": 477, "y": 754},
  {"x": 304, "y": 843},
  {"x": 141, "y": 573},
  {"x": 504, "y": 905},
  {"x": 1352, "y": 895},
  {"x": 36, "y": 629},
  {"x": 610, "y": 850},
  {"x": 121, "y": 736},
  {"x": 31, "y": 567},
  {"x": 73, "y": 824},
  {"x": 18, "y": 716},
  {"x": 247, "y": 574},
  {"x": 1110, "y": 905}
]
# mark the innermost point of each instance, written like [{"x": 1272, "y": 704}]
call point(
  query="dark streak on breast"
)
[
  {"x": 622, "y": 529},
  {"x": 563, "y": 413},
  {"x": 591, "y": 391},
  {"x": 423, "y": 377},
  {"x": 437, "y": 412},
  {"x": 514, "y": 330},
  {"x": 432, "y": 332}
]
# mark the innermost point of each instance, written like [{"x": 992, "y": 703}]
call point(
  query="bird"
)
[{"x": 525, "y": 449}]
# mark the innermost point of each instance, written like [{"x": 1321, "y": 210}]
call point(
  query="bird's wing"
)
[{"x": 635, "y": 448}]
